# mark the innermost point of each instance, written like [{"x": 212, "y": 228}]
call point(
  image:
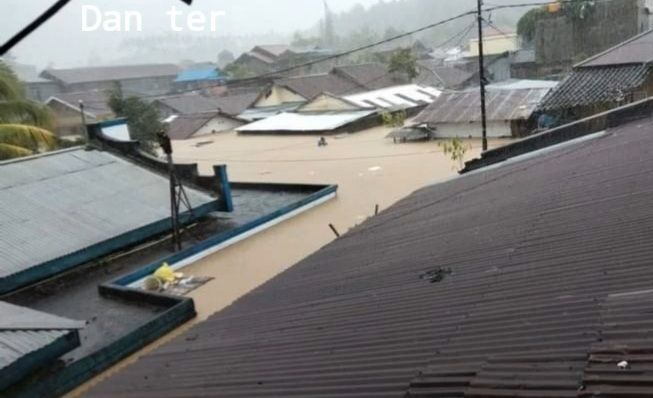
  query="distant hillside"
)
[{"x": 405, "y": 15}]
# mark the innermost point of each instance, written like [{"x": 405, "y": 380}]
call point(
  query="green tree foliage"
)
[
  {"x": 578, "y": 9},
  {"x": 528, "y": 23},
  {"x": 143, "y": 119},
  {"x": 393, "y": 119},
  {"x": 456, "y": 150},
  {"x": 25, "y": 126},
  {"x": 404, "y": 62}
]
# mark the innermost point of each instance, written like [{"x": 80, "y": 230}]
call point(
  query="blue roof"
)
[{"x": 199, "y": 74}]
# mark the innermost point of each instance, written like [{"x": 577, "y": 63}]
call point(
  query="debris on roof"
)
[{"x": 544, "y": 298}]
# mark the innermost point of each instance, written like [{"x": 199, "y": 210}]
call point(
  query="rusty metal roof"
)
[
  {"x": 532, "y": 279},
  {"x": 464, "y": 107}
]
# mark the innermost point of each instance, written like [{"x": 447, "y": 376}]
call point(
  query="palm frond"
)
[
  {"x": 11, "y": 88},
  {"x": 12, "y": 151},
  {"x": 26, "y": 112},
  {"x": 29, "y": 137}
]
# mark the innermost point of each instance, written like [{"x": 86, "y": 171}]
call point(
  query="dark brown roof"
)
[
  {"x": 596, "y": 85},
  {"x": 184, "y": 126},
  {"x": 371, "y": 76},
  {"x": 235, "y": 104},
  {"x": 532, "y": 279},
  {"x": 110, "y": 73},
  {"x": 311, "y": 85},
  {"x": 188, "y": 103},
  {"x": 447, "y": 77},
  {"x": 637, "y": 50}
]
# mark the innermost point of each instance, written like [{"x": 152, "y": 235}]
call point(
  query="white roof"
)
[
  {"x": 519, "y": 84},
  {"x": 323, "y": 121},
  {"x": 406, "y": 96}
]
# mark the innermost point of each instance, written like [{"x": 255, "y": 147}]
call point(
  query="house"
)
[
  {"x": 617, "y": 76},
  {"x": 340, "y": 81},
  {"x": 66, "y": 109},
  {"x": 151, "y": 79},
  {"x": 324, "y": 114},
  {"x": 432, "y": 73},
  {"x": 495, "y": 41},
  {"x": 530, "y": 278},
  {"x": 199, "y": 76},
  {"x": 385, "y": 51},
  {"x": 183, "y": 127},
  {"x": 497, "y": 66},
  {"x": 261, "y": 59},
  {"x": 87, "y": 225},
  {"x": 510, "y": 113},
  {"x": 36, "y": 88}
]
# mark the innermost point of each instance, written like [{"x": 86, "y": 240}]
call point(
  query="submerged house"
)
[
  {"x": 193, "y": 125},
  {"x": 617, "y": 76},
  {"x": 500, "y": 283},
  {"x": 510, "y": 113}
]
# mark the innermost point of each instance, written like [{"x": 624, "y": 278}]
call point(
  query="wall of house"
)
[
  {"x": 495, "y": 44},
  {"x": 495, "y": 129},
  {"x": 41, "y": 91},
  {"x": 278, "y": 95},
  {"x": 218, "y": 124}
]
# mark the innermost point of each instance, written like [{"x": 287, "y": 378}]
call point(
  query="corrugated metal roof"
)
[
  {"x": 406, "y": 96},
  {"x": 488, "y": 285},
  {"x": 95, "y": 102},
  {"x": 463, "y": 107},
  {"x": 66, "y": 201},
  {"x": 188, "y": 103},
  {"x": 108, "y": 73},
  {"x": 596, "y": 85},
  {"x": 637, "y": 50},
  {"x": 312, "y": 85},
  {"x": 20, "y": 318},
  {"x": 15, "y": 344},
  {"x": 198, "y": 74},
  {"x": 323, "y": 121},
  {"x": 260, "y": 113}
]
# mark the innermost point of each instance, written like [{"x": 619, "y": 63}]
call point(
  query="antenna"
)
[{"x": 178, "y": 194}]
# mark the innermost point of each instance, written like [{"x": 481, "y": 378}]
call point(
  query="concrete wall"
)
[
  {"x": 464, "y": 130},
  {"x": 495, "y": 44},
  {"x": 218, "y": 124},
  {"x": 561, "y": 41}
]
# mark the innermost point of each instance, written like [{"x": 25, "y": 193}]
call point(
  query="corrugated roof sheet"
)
[
  {"x": 637, "y": 50},
  {"x": 370, "y": 76},
  {"x": 188, "y": 103},
  {"x": 20, "y": 318},
  {"x": 95, "y": 102},
  {"x": 434, "y": 74},
  {"x": 66, "y": 201},
  {"x": 199, "y": 74},
  {"x": 108, "y": 73},
  {"x": 312, "y": 85},
  {"x": 260, "y": 113},
  {"x": 492, "y": 285},
  {"x": 305, "y": 122},
  {"x": 596, "y": 85},
  {"x": 235, "y": 104},
  {"x": 406, "y": 96},
  {"x": 463, "y": 107}
]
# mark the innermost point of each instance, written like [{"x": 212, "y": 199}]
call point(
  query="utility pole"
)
[{"x": 481, "y": 69}]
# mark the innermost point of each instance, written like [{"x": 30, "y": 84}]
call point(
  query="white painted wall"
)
[
  {"x": 218, "y": 124},
  {"x": 495, "y": 129}
]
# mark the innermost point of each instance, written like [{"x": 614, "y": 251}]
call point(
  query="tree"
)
[
  {"x": 404, "y": 62},
  {"x": 528, "y": 23},
  {"x": 25, "y": 126},
  {"x": 456, "y": 150},
  {"x": 393, "y": 119},
  {"x": 225, "y": 58},
  {"x": 143, "y": 119}
]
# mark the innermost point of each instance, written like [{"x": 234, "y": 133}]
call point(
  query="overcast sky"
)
[{"x": 62, "y": 41}]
